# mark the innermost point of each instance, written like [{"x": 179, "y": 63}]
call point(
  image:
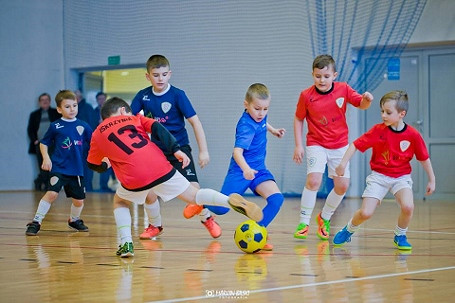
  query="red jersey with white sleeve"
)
[
  {"x": 137, "y": 162},
  {"x": 392, "y": 150},
  {"x": 325, "y": 113}
]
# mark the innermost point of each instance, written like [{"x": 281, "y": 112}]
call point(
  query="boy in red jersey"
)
[
  {"x": 323, "y": 105},
  {"x": 122, "y": 141},
  {"x": 394, "y": 144}
]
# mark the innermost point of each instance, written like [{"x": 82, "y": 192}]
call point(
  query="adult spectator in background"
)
[
  {"x": 104, "y": 177},
  {"x": 38, "y": 123},
  {"x": 86, "y": 113}
]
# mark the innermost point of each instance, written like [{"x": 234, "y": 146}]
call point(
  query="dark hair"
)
[
  {"x": 322, "y": 61},
  {"x": 64, "y": 94},
  {"x": 257, "y": 90},
  {"x": 401, "y": 98},
  {"x": 99, "y": 94},
  {"x": 157, "y": 61},
  {"x": 112, "y": 105}
]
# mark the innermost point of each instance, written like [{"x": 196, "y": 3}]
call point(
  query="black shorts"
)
[
  {"x": 73, "y": 185},
  {"x": 188, "y": 172}
]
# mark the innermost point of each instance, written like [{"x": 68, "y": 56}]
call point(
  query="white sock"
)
[
  {"x": 351, "y": 227},
  {"x": 205, "y": 214},
  {"x": 307, "y": 203},
  {"x": 331, "y": 204},
  {"x": 123, "y": 220},
  {"x": 153, "y": 213},
  {"x": 400, "y": 231},
  {"x": 211, "y": 197},
  {"x": 43, "y": 208},
  {"x": 75, "y": 212}
]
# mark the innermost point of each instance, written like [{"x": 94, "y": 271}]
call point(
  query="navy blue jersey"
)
[
  {"x": 251, "y": 136},
  {"x": 170, "y": 108},
  {"x": 71, "y": 140}
]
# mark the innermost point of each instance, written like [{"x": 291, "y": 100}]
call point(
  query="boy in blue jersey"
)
[
  {"x": 70, "y": 138},
  {"x": 247, "y": 167},
  {"x": 170, "y": 106}
]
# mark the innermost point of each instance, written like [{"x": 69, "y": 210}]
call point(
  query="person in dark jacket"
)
[{"x": 38, "y": 123}]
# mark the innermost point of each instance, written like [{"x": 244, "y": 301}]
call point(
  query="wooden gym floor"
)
[{"x": 185, "y": 264}]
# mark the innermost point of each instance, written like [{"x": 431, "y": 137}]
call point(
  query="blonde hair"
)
[{"x": 257, "y": 90}]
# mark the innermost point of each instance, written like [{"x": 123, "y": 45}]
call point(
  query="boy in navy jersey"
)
[
  {"x": 70, "y": 138},
  {"x": 394, "y": 144},
  {"x": 170, "y": 106}
]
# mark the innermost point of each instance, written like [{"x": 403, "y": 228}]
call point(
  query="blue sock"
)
[
  {"x": 272, "y": 208},
  {"x": 217, "y": 210}
]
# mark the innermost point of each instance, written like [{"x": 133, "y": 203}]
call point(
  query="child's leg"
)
[
  {"x": 122, "y": 217},
  {"x": 44, "y": 205},
  {"x": 361, "y": 215},
  {"x": 308, "y": 199},
  {"x": 76, "y": 209},
  {"x": 335, "y": 197},
  {"x": 405, "y": 199},
  {"x": 212, "y": 197},
  {"x": 152, "y": 209},
  {"x": 269, "y": 190},
  {"x": 364, "y": 213}
]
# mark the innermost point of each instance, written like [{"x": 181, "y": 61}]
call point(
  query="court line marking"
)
[{"x": 313, "y": 284}]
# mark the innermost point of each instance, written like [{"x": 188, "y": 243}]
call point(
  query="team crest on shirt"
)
[
  {"x": 404, "y": 145},
  {"x": 166, "y": 106},
  {"x": 80, "y": 130},
  {"x": 339, "y": 102},
  {"x": 311, "y": 161}
]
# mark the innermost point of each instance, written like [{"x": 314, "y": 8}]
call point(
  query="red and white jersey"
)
[
  {"x": 392, "y": 150},
  {"x": 137, "y": 162},
  {"x": 325, "y": 114}
]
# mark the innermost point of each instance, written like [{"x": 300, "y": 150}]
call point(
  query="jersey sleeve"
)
[
  {"x": 244, "y": 136},
  {"x": 366, "y": 140},
  {"x": 300, "y": 111},
  {"x": 421, "y": 151},
  {"x": 48, "y": 138},
  {"x": 354, "y": 98},
  {"x": 185, "y": 105},
  {"x": 94, "y": 154},
  {"x": 136, "y": 104}
]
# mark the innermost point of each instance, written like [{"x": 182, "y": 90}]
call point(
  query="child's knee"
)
[
  {"x": 365, "y": 214},
  {"x": 407, "y": 209}
]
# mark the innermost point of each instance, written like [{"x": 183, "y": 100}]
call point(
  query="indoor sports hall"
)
[{"x": 217, "y": 49}]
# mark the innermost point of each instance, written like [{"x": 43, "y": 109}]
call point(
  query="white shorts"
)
[
  {"x": 166, "y": 191},
  {"x": 378, "y": 185},
  {"x": 318, "y": 157}
]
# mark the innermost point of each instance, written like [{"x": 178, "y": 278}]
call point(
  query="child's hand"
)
[
  {"x": 299, "y": 152},
  {"x": 367, "y": 96},
  {"x": 249, "y": 174},
  {"x": 47, "y": 164},
  {"x": 340, "y": 169},
  {"x": 204, "y": 159},
  {"x": 106, "y": 160},
  {"x": 431, "y": 186},
  {"x": 279, "y": 132},
  {"x": 182, "y": 157}
]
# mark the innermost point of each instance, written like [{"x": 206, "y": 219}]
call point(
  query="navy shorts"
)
[{"x": 73, "y": 185}]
